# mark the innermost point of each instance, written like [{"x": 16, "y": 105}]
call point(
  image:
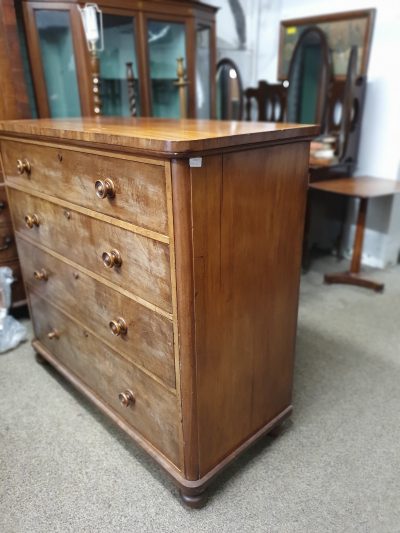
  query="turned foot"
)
[
  {"x": 195, "y": 501},
  {"x": 39, "y": 359}
]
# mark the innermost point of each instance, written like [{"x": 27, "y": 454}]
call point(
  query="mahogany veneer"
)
[{"x": 162, "y": 263}]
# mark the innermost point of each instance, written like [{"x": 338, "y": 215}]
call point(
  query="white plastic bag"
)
[{"x": 11, "y": 331}]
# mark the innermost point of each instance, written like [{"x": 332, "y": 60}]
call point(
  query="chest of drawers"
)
[{"x": 162, "y": 262}]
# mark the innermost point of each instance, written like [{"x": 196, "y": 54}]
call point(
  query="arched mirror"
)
[
  {"x": 309, "y": 75},
  {"x": 229, "y": 91}
]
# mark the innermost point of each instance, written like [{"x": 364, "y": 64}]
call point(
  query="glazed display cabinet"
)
[{"x": 142, "y": 42}]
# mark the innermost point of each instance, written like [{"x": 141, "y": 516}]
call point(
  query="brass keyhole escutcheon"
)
[{"x": 126, "y": 398}]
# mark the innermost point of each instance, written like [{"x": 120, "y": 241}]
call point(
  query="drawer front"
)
[
  {"x": 148, "y": 340},
  {"x": 145, "y": 268},
  {"x": 140, "y": 194},
  {"x": 8, "y": 249},
  {"x": 154, "y": 411},
  {"x": 4, "y": 211}
]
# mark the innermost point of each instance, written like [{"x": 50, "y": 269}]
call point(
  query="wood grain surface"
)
[
  {"x": 145, "y": 269},
  {"x": 140, "y": 196},
  {"x": 149, "y": 341},
  {"x": 248, "y": 213},
  {"x": 164, "y": 136},
  {"x": 358, "y": 187},
  {"x": 154, "y": 412}
]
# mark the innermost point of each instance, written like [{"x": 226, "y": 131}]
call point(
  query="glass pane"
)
[
  {"x": 166, "y": 44},
  {"x": 118, "y": 67},
  {"x": 228, "y": 93},
  {"x": 203, "y": 105},
  {"x": 58, "y": 62}
]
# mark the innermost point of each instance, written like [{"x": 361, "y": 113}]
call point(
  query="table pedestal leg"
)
[{"x": 353, "y": 276}]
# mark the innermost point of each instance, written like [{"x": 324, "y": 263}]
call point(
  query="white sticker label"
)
[{"x": 195, "y": 162}]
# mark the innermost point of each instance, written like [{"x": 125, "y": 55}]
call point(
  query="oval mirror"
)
[
  {"x": 229, "y": 91},
  {"x": 309, "y": 74}
]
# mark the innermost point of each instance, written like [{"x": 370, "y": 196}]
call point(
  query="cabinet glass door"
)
[
  {"x": 57, "y": 52},
  {"x": 203, "y": 75},
  {"x": 119, "y": 68},
  {"x": 167, "y": 43}
]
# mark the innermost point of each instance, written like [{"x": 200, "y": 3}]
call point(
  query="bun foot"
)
[
  {"x": 40, "y": 360},
  {"x": 195, "y": 501}
]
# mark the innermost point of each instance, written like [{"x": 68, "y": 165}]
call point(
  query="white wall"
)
[{"x": 380, "y": 136}]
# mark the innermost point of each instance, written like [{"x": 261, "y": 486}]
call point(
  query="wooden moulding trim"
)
[
  {"x": 190, "y": 487},
  {"x": 182, "y": 213},
  {"x": 53, "y": 303},
  {"x": 97, "y": 277},
  {"x": 92, "y": 396},
  {"x": 93, "y": 214},
  {"x": 74, "y": 148},
  {"x": 137, "y": 153},
  {"x": 173, "y": 149}
]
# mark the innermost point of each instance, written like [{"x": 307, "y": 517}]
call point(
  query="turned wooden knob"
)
[
  {"x": 118, "y": 327},
  {"x": 23, "y": 165},
  {"x": 53, "y": 334},
  {"x": 105, "y": 189},
  {"x": 112, "y": 259},
  {"x": 126, "y": 398},
  {"x": 31, "y": 220},
  {"x": 41, "y": 275}
]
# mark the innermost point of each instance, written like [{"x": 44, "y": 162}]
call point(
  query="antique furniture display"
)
[
  {"x": 229, "y": 91},
  {"x": 162, "y": 263},
  {"x": 14, "y": 104},
  {"x": 362, "y": 188},
  {"x": 343, "y": 31},
  {"x": 142, "y": 43}
]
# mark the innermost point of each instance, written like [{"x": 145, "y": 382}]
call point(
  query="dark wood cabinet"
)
[{"x": 145, "y": 37}]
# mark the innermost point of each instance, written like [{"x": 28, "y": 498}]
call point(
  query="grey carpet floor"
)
[{"x": 336, "y": 468}]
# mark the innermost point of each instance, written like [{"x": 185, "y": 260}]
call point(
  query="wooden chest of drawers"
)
[{"x": 162, "y": 265}]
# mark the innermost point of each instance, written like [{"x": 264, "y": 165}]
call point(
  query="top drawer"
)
[{"x": 139, "y": 188}]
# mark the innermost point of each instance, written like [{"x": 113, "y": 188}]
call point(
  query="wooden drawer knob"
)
[
  {"x": 126, "y": 398},
  {"x": 118, "y": 327},
  {"x": 31, "y": 220},
  {"x": 41, "y": 275},
  {"x": 112, "y": 259},
  {"x": 23, "y": 165},
  {"x": 105, "y": 189},
  {"x": 53, "y": 334}
]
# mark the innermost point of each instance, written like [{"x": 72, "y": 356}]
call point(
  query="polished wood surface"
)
[
  {"x": 359, "y": 187},
  {"x": 83, "y": 239},
  {"x": 184, "y": 337},
  {"x": 363, "y": 187},
  {"x": 154, "y": 412},
  {"x": 149, "y": 340},
  {"x": 164, "y": 136},
  {"x": 246, "y": 292},
  {"x": 139, "y": 188}
]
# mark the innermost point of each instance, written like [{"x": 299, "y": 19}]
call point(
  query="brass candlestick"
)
[{"x": 182, "y": 83}]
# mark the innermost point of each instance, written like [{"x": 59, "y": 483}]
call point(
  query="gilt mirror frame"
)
[{"x": 343, "y": 30}]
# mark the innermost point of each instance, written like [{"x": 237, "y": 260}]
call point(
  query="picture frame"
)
[{"x": 343, "y": 30}]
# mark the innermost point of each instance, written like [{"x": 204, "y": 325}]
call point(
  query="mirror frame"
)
[
  {"x": 325, "y": 75},
  {"x": 225, "y": 61}
]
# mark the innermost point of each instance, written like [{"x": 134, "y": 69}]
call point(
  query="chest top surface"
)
[{"x": 168, "y": 137}]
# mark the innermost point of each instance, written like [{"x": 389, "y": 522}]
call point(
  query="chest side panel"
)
[{"x": 248, "y": 214}]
